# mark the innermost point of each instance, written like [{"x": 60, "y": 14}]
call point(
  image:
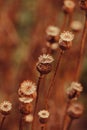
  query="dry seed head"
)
[
  {"x": 69, "y": 6},
  {"x": 45, "y": 58},
  {"x": 28, "y": 118},
  {"x": 5, "y": 107},
  {"x": 43, "y": 116},
  {"x": 76, "y": 26},
  {"x": 27, "y": 88},
  {"x": 25, "y": 100},
  {"x": 83, "y": 5},
  {"x": 75, "y": 110},
  {"x": 67, "y": 36},
  {"x": 52, "y": 31},
  {"x": 74, "y": 90}
]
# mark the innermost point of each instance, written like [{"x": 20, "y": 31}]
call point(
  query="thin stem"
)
[
  {"x": 42, "y": 127},
  {"x": 2, "y": 122},
  {"x": 36, "y": 102},
  {"x": 20, "y": 123},
  {"x": 82, "y": 45},
  {"x": 65, "y": 116},
  {"x": 68, "y": 123},
  {"x": 53, "y": 79}
]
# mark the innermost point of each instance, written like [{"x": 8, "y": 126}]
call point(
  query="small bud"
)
[
  {"x": 28, "y": 118},
  {"x": 75, "y": 110},
  {"x": 43, "y": 116},
  {"x": 76, "y": 26},
  {"x": 5, "y": 107}
]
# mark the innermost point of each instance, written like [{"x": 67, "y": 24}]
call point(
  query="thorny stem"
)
[
  {"x": 82, "y": 45},
  {"x": 53, "y": 79},
  {"x": 65, "y": 116},
  {"x": 36, "y": 102},
  {"x": 2, "y": 122},
  {"x": 20, "y": 123}
]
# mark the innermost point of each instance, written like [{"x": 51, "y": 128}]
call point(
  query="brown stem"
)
[
  {"x": 2, "y": 122},
  {"x": 68, "y": 123},
  {"x": 53, "y": 79},
  {"x": 65, "y": 116},
  {"x": 82, "y": 45},
  {"x": 36, "y": 102},
  {"x": 20, "y": 123}
]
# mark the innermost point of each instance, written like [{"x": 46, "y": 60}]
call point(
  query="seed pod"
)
[
  {"x": 75, "y": 110},
  {"x": 25, "y": 108},
  {"x": 43, "y": 116}
]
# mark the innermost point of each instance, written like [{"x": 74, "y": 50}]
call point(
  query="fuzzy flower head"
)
[
  {"x": 27, "y": 88},
  {"x": 43, "y": 114},
  {"x": 5, "y": 107},
  {"x": 28, "y": 118},
  {"x": 67, "y": 36},
  {"x": 45, "y": 58},
  {"x": 77, "y": 86},
  {"x": 76, "y": 25},
  {"x": 52, "y": 31},
  {"x": 69, "y": 5}
]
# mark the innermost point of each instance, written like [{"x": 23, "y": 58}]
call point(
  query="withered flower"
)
[
  {"x": 65, "y": 41},
  {"x": 43, "y": 116},
  {"x": 75, "y": 110},
  {"x": 74, "y": 90},
  {"x": 5, "y": 107},
  {"x": 69, "y": 6},
  {"x": 44, "y": 65}
]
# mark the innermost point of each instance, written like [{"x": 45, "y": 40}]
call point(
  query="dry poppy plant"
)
[{"x": 33, "y": 104}]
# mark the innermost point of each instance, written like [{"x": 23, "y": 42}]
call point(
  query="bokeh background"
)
[{"x": 22, "y": 38}]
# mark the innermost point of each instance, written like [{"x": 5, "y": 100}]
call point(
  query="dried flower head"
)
[
  {"x": 5, "y": 107},
  {"x": 43, "y": 116},
  {"x": 44, "y": 65},
  {"x": 83, "y": 4},
  {"x": 45, "y": 58},
  {"x": 75, "y": 110},
  {"x": 69, "y": 6},
  {"x": 65, "y": 41},
  {"x": 25, "y": 100},
  {"x": 76, "y": 26},
  {"x": 28, "y": 89},
  {"x": 67, "y": 36},
  {"x": 52, "y": 30},
  {"x": 74, "y": 90},
  {"x": 28, "y": 118}
]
